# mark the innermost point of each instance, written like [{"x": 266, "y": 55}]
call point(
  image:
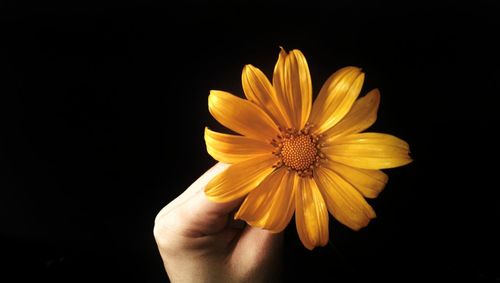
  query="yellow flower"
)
[{"x": 296, "y": 156}]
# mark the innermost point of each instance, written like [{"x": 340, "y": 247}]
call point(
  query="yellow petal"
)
[
  {"x": 368, "y": 182},
  {"x": 298, "y": 87},
  {"x": 240, "y": 178},
  {"x": 279, "y": 86},
  {"x": 292, "y": 82},
  {"x": 336, "y": 97},
  {"x": 233, "y": 149},
  {"x": 344, "y": 202},
  {"x": 259, "y": 90},
  {"x": 369, "y": 151},
  {"x": 241, "y": 116},
  {"x": 311, "y": 214},
  {"x": 362, "y": 115},
  {"x": 271, "y": 205},
  {"x": 254, "y": 208}
]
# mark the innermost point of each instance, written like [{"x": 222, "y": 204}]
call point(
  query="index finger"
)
[{"x": 193, "y": 213}]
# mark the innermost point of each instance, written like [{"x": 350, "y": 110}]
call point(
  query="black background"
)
[{"x": 102, "y": 110}]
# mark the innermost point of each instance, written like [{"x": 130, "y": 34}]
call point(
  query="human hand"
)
[{"x": 199, "y": 241}]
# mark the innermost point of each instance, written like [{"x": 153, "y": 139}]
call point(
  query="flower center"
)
[{"x": 298, "y": 150}]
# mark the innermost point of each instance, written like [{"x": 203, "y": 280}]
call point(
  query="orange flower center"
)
[
  {"x": 298, "y": 150},
  {"x": 299, "y": 153}
]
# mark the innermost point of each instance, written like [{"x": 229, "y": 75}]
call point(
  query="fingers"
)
[
  {"x": 195, "y": 188},
  {"x": 205, "y": 217},
  {"x": 192, "y": 214}
]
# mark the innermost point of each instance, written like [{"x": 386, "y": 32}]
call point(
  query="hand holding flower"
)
[{"x": 200, "y": 242}]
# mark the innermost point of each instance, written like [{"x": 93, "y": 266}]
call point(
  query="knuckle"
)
[{"x": 165, "y": 233}]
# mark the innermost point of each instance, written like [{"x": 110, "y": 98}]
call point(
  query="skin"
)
[{"x": 199, "y": 241}]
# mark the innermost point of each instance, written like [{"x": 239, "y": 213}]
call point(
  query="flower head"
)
[{"x": 293, "y": 156}]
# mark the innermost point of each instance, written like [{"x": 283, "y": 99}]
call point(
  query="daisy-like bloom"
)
[{"x": 296, "y": 156}]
